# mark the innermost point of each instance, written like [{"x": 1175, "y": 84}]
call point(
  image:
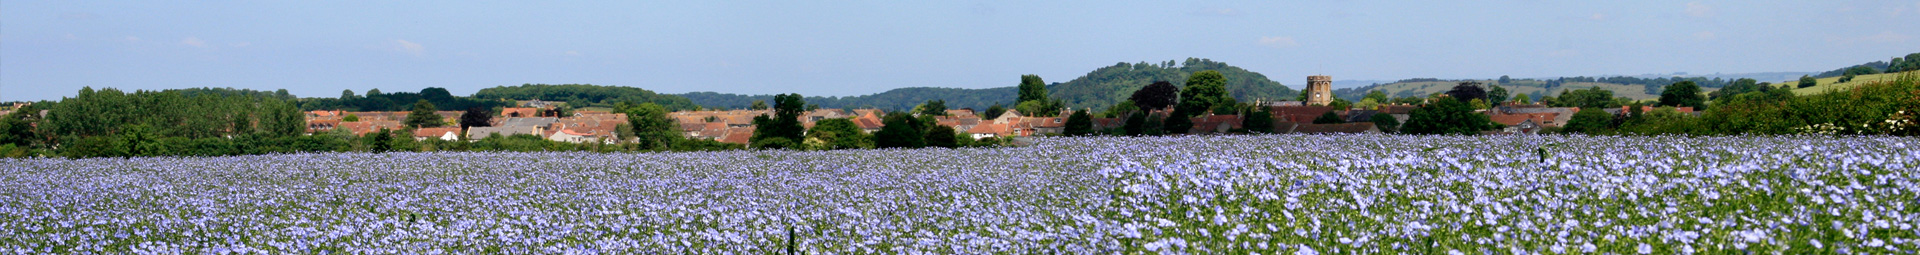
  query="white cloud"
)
[
  {"x": 409, "y": 47},
  {"x": 1278, "y": 41},
  {"x": 193, "y": 41},
  {"x": 1705, "y": 35},
  {"x": 1698, "y": 9}
]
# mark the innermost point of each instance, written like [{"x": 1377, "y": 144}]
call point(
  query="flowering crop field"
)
[{"x": 1278, "y": 194}]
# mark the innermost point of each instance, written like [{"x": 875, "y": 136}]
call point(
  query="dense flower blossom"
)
[{"x": 1274, "y": 194}]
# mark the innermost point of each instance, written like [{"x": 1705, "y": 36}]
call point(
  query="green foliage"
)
[
  {"x": 994, "y": 111},
  {"x": 1032, "y": 89},
  {"x": 1203, "y": 91},
  {"x": 1665, "y": 120},
  {"x": 900, "y": 131},
  {"x": 1121, "y": 109},
  {"x": 1039, "y": 108},
  {"x": 593, "y": 95},
  {"x": 1109, "y": 85},
  {"x": 1498, "y": 94},
  {"x": 171, "y": 113},
  {"x": 1079, "y": 124},
  {"x": 1177, "y": 123},
  {"x": 350, "y": 118},
  {"x": 1136, "y": 124},
  {"x": 1683, "y": 94},
  {"x": 1738, "y": 86},
  {"x": 941, "y": 136},
  {"x": 758, "y": 105},
  {"x": 1385, "y": 122},
  {"x": 651, "y": 128},
  {"x": 1590, "y": 121},
  {"x": 840, "y": 134},
  {"x": 932, "y": 108},
  {"x": 774, "y": 143},
  {"x": 1446, "y": 116},
  {"x": 1586, "y": 98},
  {"x": 422, "y": 115},
  {"x": 1328, "y": 118},
  {"x": 1808, "y": 81},
  {"x": 785, "y": 121},
  {"x": 1377, "y": 96},
  {"x": 1340, "y": 104},
  {"x": 1258, "y": 121},
  {"x": 376, "y": 101}
]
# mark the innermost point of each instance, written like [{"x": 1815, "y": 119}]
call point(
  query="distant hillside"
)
[
  {"x": 1098, "y": 89},
  {"x": 583, "y": 95},
  {"x": 1109, "y": 85},
  {"x": 1833, "y": 83}
]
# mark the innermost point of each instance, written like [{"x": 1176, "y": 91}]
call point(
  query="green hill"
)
[
  {"x": 1099, "y": 89},
  {"x": 1109, "y": 85},
  {"x": 1833, "y": 83}
]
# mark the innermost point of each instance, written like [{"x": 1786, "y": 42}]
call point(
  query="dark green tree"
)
[
  {"x": 1178, "y": 122},
  {"x": 1385, "y": 122},
  {"x": 900, "y": 131},
  {"x": 1446, "y": 116},
  {"x": 1079, "y": 124},
  {"x": 422, "y": 115},
  {"x": 652, "y": 129},
  {"x": 1377, "y": 96},
  {"x": 1329, "y": 118},
  {"x": 932, "y": 108},
  {"x": 1136, "y": 124},
  {"x": 1808, "y": 81},
  {"x": 993, "y": 112},
  {"x": 1258, "y": 121},
  {"x": 785, "y": 120},
  {"x": 1498, "y": 95},
  {"x": 1590, "y": 121},
  {"x": 941, "y": 136},
  {"x": 1204, "y": 90},
  {"x": 1683, "y": 94},
  {"x": 758, "y": 105},
  {"x": 1032, "y": 89},
  {"x": 1504, "y": 79}
]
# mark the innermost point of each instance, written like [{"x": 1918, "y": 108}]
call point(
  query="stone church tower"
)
[{"x": 1319, "y": 90}]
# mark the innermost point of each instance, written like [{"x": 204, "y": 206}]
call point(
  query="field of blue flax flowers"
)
[{"x": 1276, "y": 194}]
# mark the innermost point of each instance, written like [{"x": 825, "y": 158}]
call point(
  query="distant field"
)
[{"x": 1833, "y": 83}]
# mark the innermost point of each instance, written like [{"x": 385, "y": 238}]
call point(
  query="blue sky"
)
[{"x": 49, "y": 49}]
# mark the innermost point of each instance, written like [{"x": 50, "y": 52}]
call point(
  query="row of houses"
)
[
  {"x": 578, "y": 127},
  {"x": 1531, "y": 118},
  {"x": 736, "y": 126}
]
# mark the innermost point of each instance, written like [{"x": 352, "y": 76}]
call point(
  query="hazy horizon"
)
[{"x": 48, "y": 50}]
